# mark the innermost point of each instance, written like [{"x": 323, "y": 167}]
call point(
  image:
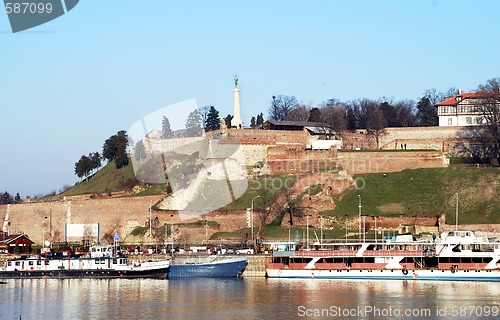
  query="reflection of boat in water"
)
[
  {"x": 212, "y": 266},
  {"x": 100, "y": 262},
  {"x": 457, "y": 255}
]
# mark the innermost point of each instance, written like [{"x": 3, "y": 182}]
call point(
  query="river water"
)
[{"x": 239, "y": 299}]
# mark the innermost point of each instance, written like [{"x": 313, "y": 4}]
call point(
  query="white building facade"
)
[{"x": 465, "y": 109}]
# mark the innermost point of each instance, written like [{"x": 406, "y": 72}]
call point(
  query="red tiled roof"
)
[
  {"x": 452, "y": 101},
  {"x": 13, "y": 237}
]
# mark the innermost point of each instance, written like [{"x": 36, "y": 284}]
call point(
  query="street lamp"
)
[
  {"x": 307, "y": 230},
  {"x": 359, "y": 213},
  {"x": 206, "y": 233},
  {"x": 346, "y": 228},
  {"x": 172, "y": 232},
  {"x": 321, "y": 231},
  {"x": 252, "y": 217}
]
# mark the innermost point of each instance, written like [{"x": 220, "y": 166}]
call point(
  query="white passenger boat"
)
[{"x": 456, "y": 255}]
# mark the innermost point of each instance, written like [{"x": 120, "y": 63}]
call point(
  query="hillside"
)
[
  {"x": 427, "y": 192},
  {"x": 409, "y": 192},
  {"x": 109, "y": 179}
]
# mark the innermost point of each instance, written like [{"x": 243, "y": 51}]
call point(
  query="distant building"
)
[
  {"x": 15, "y": 243},
  {"x": 464, "y": 109}
]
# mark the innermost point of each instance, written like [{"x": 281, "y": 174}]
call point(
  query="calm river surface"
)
[{"x": 246, "y": 299}]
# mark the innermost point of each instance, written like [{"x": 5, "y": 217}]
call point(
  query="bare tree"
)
[
  {"x": 492, "y": 85},
  {"x": 376, "y": 124},
  {"x": 299, "y": 113},
  {"x": 281, "y": 106},
  {"x": 203, "y": 111}
]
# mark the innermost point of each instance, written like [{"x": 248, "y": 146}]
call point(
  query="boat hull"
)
[
  {"x": 457, "y": 275},
  {"x": 93, "y": 274},
  {"x": 229, "y": 268}
]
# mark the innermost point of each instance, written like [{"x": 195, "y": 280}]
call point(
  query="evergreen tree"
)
[
  {"x": 165, "y": 128},
  {"x": 121, "y": 160},
  {"x": 140, "y": 151},
  {"x": 213, "y": 120},
  {"x": 114, "y": 145},
  {"x": 426, "y": 113},
  {"x": 6, "y": 198},
  {"x": 193, "y": 124},
  {"x": 228, "y": 119},
  {"x": 82, "y": 167},
  {"x": 252, "y": 123},
  {"x": 260, "y": 119},
  {"x": 95, "y": 161}
]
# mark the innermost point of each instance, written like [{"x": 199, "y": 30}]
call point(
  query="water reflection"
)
[{"x": 232, "y": 298}]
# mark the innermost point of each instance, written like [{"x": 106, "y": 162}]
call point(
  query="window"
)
[
  {"x": 39, "y": 263},
  {"x": 30, "y": 263},
  {"x": 450, "y": 121},
  {"x": 468, "y": 120}
]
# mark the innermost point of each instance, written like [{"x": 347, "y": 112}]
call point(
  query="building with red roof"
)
[
  {"x": 465, "y": 109},
  {"x": 15, "y": 243}
]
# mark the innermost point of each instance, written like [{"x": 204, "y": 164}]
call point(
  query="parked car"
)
[{"x": 245, "y": 251}]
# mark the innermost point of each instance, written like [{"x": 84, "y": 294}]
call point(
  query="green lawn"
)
[{"x": 426, "y": 192}]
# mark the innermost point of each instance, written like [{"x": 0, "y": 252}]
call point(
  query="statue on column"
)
[{"x": 236, "y": 81}]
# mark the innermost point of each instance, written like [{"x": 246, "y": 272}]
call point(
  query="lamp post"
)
[
  {"x": 359, "y": 213},
  {"x": 150, "y": 232},
  {"x": 307, "y": 230},
  {"x": 364, "y": 228},
  {"x": 206, "y": 233},
  {"x": 172, "y": 232},
  {"x": 321, "y": 231},
  {"x": 165, "y": 226},
  {"x": 252, "y": 217},
  {"x": 346, "y": 228}
]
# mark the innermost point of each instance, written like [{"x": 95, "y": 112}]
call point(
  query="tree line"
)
[
  {"x": 113, "y": 149},
  {"x": 7, "y": 198}
]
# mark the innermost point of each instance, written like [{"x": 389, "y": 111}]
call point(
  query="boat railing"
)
[
  {"x": 387, "y": 253},
  {"x": 323, "y": 253}
]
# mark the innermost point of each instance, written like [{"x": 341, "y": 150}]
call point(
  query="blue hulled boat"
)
[{"x": 226, "y": 267}]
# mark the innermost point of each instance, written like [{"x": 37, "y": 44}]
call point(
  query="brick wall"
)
[{"x": 373, "y": 162}]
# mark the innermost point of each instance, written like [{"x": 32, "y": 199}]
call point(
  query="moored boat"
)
[
  {"x": 213, "y": 266},
  {"x": 100, "y": 262},
  {"x": 456, "y": 255}
]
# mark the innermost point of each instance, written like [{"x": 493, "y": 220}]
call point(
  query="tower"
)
[{"x": 236, "y": 121}]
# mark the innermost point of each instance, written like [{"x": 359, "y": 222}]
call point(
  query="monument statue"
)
[{"x": 235, "y": 81}]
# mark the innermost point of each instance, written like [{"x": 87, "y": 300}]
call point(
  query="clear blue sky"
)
[{"x": 67, "y": 85}]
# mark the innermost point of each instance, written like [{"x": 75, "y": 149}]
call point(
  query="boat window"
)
[
  {"x": 46, "y": 262},
  {"x": 97, "y": 261},
  {"x": 18, "y": 263},
  {"x": 30, "y": 263},
  {"x": 9, "y": 263},
  {"x": 115, "y": 261},
  {"x": 92, "y": 249},
  {"x": 39, "y": 263}
]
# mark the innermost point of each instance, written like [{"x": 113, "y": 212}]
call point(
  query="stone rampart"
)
[{"x": 374, "y": 162}]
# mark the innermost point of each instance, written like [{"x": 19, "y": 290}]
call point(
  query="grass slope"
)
[
  {"x": 426, "y": 192},
  {"x": 108, "y": 179}
]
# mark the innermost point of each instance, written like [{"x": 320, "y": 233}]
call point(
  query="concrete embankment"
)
[{"x": 256, "y": 266}]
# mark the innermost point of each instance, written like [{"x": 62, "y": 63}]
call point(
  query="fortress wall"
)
[
  {"x": 246, "y": 136},
  {"x": 33, "y": 218},
  {"x": 436, "y": 138},
  {"x": 374, "y": 162}
]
